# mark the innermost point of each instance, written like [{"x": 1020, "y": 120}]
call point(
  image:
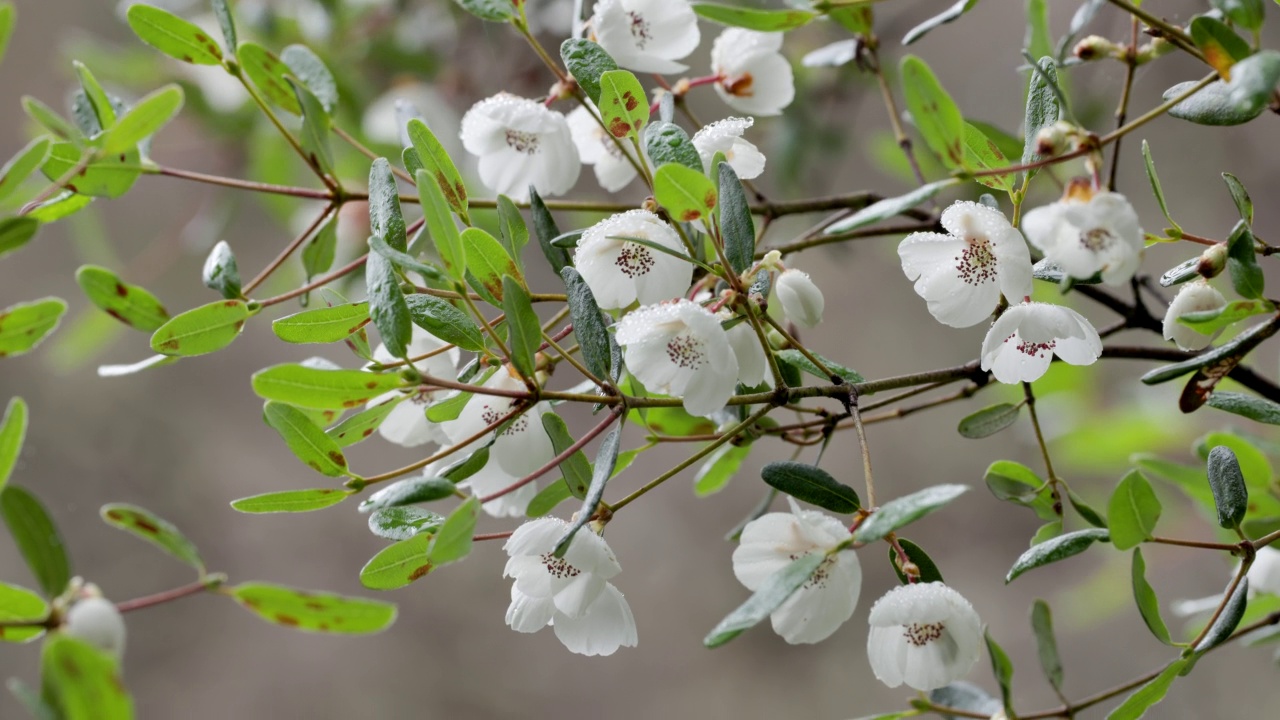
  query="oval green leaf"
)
[
  {"x": 812, "y": 485},
  {"x": 202, "y": 330},
  {"x": 317, "y": 389},
  {"x": 686, "y": 194},
  {"x": 306, "y": 440},
  {"x": 24, "y": 325},
  {"x": 37, "y": 539},
  {"x": 313, "y": 611},
  {"x": 1059, "y": 548},
  {"x": 291, "y": 501},
  {"x": 1132, "y": 512},
  {"x": 1230, "y": 494},
  {"x": 130, "y": 304},
  {"x": 322, "y": 325},
  {"x": 907, "y": 509},
  {"x": 989, "y": 421},
  {"x": 173, "y": 36}
]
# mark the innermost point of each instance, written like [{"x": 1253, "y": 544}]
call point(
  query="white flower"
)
[
  {"x": 753, "y": 366},
  {"x": 771, "y": 542},
  {"x": 1264, "y": 574},
  {"x": 407, "y": 423},
  {"x": 725, "y": 136},
  {"x": 962, "y": 274},
  {"x": 836, "y": 54},
  {"x": 647, "y": 35},
  {"x": 589, "y": 615},
  {"x": 620, "y": 272},
  {"x": 1197, "y": 296},
  {"x": 520, "y": 143},
  {"x": 1085, "y": 235},
  {"x": 753, "y": 75},
  {"x": 924, "y": 634},
  {"x": 680, "y": 349},
  {"x": 96, "y": 621},
  {"x": 524, "y": 445},
  {"x": 802, "y": 301},
  {"x": 601, "y": 150},
  {"x": 1022, "y": 342},
  {"x": 490, "y": 479}
]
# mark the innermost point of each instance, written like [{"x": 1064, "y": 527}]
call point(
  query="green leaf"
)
[
  {"x": 306, "y": 440},
  {"x": 1191, "y": 480},
  {"x": 1211, "y": 321},
  {"x": 857, "y": 19},
  {"x": 385, "y": 218},
  {"x": 487, "y": 261},
  {"x": 1137, "y": 704},
  {"x": 776, "y": 589},
  {"x": 1250, "y": 406},
  {"x": 601, "y": 471},
  {"x": 8, "y": 16},
  {"x": 666, "y": 142},
  {"x": 1242, "y": 262},
  {"x": 1155, "y": 184},
  {"x": 403, "y": 260},
  {"x": 24, "y": 325},
  {"x": 202, "y": 330},
  {"x": 623, "y": 106},
  {"x": 20, "y": 604},
  {"x": 761, "y": 20},
  {"x": 548, "y": 498},
  {"x": 1048, "y": 531},
  {"x": 1247, "y": 14},
  {"x": 735, "y": 221},
  {"x": 1145, "y": 597},
  {"x": 1227, "y": 620},
  {"x": 1219, "y": 44},
  {"x": 811, "y": 484},
  {"x": 441, "y": 226},
  {"x": 316, "y": 126},
  {"x": 1015, "y": 482},
  {"x": 402, "y": 523},
  {"x": 951, "y": 14},
  {"x": 449, "y": 408},
  {"x": 453, "y": 541},
  {"x": 307, "y": 387},
  {"x": 268, "y": 73},
  {"x": 1239, "y": 195},
  {"x": 314, "y": 611},
  {"x": 15, "y": 232},
  {"x": 221, "y": 272},
  {"x": 173, "y": 36},
  {"x": 155, "y": 530},
  {"x": 311, "y": 70},
  {"x": 929, "y": 571},
  {"x": 409, "y": 491},
  {"x": 544, "y": 226},
  {"x": 989, "y": 421},
  {"x": 439, "y": 167},
  {"x": 109, "y": 177},
  {"x": 1046, "y": 643},
  {"x": 227, "y": 23},
  {"x": 291, "y": 501},
  {"x": 687, "y": 195},
  {"x": 443, "y": 320},
  {"x": 934, "y": 112},
  {"x": 361, "y": 425},
  {"x": 512, "y": 231},
  {"x": 907, "y": 509},
  {"x": 387, "y": 306},
  {"x": 889, "y": 207},
  {"x": 1213, "y": 105},
  {"x": 13, "y": 431},
  {"x": 1182, "y": 272},
  {"x": 19, "y": 168},
  {"x": 81, "y": 682},
  {"x": 1002, "y": 668},
  {"x": 37, "y": 539},
  {"x": 1132, "y": 512},
  {"x": 143, "y": 120},
  {"x": 47, "y": 118},
  {"x": 796, "y": 359},
  {"x": 587, "y": 61},
  {"x": 322, "y": 325},
  {"x": 1059, "y": 548},
  {"x": 491, "y": 10},
  {"x": 1090, "y": 515},
  {"x": 319, "y": 252},
  {"x": 719, "y": 469},
  {"x": 981, "y": 153},
  {"x": 132, "y": 305},
  {"x": 1231, "y": 351},
  {"x": 524, "y": 329},
  {"x": 1230, "y": 495},
  {"x": 576, "y": 468},
  {"x": 62, "y": 205},
  {"x": 395, "y": 566},
  {"x": 588, "y": 324}
]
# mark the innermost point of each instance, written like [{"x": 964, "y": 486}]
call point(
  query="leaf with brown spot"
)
[
  {"x": 19, "y": 604},
  {"x": 686, "y": 194},
  {"x": 172, "y": 35},
  {"x": 267, "y": 72},
  {"x": 155, "y": 530},
  {"x": 24, "y": 325},
  {"x": 130, "y": 304},
  {"x": 291, "y": 501},
  {"x": 313, "y": 611},
  {"x": 82, "y": 681},
  {"x": 487, "y": 262},
  {"x": 305, "y": 439},
  {"x": 934, "y": 112},
  {"x": 202, "y": 330},
  {"x": 436, "y": 161},
  {"x": 620, "y": 103}
]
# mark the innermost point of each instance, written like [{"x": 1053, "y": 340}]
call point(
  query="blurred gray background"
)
[{"x": 185, "y": 440}]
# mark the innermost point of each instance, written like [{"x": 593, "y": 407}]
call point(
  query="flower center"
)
[
  {"x": 523, "y": 142},
  {"x": 921, "y": 634},
  {"x": 634, "y": 260},
  {"x": 422, "y": 396},
  {"x": 639, "y": 29},
  {"x": 819, "y": 577},
  {"x": 686, "y": 352},
  {"x": 1030, "y": 348},
  {"x": 1096, "y": 239},
  {"x": 738, "y": 85},
  {"x": 976, "y": 263},
  {"x": 491, "y": 415},
  {"x": 559, "y": 567}
]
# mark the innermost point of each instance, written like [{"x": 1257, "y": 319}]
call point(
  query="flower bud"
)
[
  {"x": 1158, "y": 47},
  {"x": 1096, "y": 47},
  {"x": 1196, "y": 296},
  {"x": 1055, "y": 139},
  {"x": 1213, "y": 260},
  {"x": 96, "y": 621},
  {"x": 802, "y": 301}
]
